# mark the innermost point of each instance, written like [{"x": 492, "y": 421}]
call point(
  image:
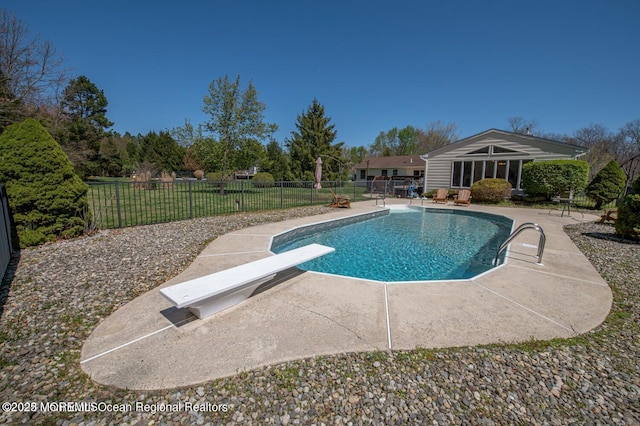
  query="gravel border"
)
[{"x": 54, "y": 296}]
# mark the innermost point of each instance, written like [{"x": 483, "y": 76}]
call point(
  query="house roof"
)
[
  {"x": 398, "y": 162},
  {"x": 497, "y": 133}
]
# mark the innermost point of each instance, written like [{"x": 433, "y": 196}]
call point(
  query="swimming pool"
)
[{"x": 408, "y": 244}]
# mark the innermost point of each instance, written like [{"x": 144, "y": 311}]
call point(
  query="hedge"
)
[{"x": 554, "y": 177}]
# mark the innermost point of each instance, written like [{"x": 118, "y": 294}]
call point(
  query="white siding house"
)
[
  {"x": 491, "y": 154},
  {"x": 400, "y": 167}
]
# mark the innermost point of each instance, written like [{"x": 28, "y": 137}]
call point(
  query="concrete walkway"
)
[{"x": 148, "y": 344}]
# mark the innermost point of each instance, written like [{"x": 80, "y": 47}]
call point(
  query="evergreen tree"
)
[
  {"x": 47, "y": 199},
  {"x": 84, "y": 107},
  {"x": 275, "y": 162},
  {"x": 161, "y": 150},
  {"x": 313, "y": 139},
  {"x": 607, "y": 185}
]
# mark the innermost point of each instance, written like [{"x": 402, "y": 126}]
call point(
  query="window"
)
[
  {"x": 489, "y": 167},
  {"x": 492, "y": 150},
  {"x": 363, "y": 174},
  {"x": 483, "y": 150},
  {"x": 478, "y": 170},
  {"x": 455, "y": 178},
  {"x": 383, "y": 172},
  {"x": 416, "y": 173},
  {"x": 395, "y": 172},
  {"x": 514, "y": 172},
  {"x": 501, "y": 169},
  {"x": 501, "y": 150},
  {"x": 465, "y": 173}
]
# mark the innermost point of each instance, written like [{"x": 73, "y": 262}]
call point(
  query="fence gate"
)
[{"x": 5, "y": 232}]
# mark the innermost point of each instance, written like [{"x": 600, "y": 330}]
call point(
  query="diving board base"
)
[{"x": 208, "y": 307}]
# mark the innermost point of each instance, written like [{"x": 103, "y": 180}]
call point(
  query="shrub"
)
[
  {"x": 607, "y": 185},
  {"x": 214, "y": 176},
  {"x": 198, "y": 174},
  {"x": 263, "y": 180},
  {"x": 628, "y": 222},
  {"x": 491, "y": 190},
  {"x": 46, "y": 197},
  {"x": 554, "y": 177},
  {"x": 635, "y": 186}
]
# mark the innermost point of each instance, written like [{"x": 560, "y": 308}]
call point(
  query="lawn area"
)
[{"x": 119, "y": 203}]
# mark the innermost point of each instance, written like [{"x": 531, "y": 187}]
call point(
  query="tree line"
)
[{"x": 34, "y": 84}]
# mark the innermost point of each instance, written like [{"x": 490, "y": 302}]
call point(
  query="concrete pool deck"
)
[{"x": 148, "y": 344}]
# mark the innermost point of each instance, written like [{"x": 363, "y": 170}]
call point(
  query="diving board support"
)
[{"x": 213, "y": 293}]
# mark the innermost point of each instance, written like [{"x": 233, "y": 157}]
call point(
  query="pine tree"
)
[
  {"x": 46, "y": 198},
  {"x": 313, "y": 139},
  {"x": 607, "y": 185}
]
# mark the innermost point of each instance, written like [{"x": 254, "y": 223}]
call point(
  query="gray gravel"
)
[{"x": 58, "y": 293}]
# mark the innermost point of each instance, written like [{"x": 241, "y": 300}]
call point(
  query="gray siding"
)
[{"x": 439, "y": 164}]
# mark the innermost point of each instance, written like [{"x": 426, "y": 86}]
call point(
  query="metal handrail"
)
[{"x": 518, "y": 230}]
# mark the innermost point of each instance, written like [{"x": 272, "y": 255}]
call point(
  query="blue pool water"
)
[{"x": 412, "y": 244}]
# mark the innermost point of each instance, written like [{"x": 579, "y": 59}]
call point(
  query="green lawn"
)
[{"x": 120, "y": 203}]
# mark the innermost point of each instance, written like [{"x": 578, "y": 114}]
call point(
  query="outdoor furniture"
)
[
  {"x": 442, "y": 195},
  {"x": 566, "y": 205},
  {"x": 610, "y": 215},
  {"x": 340, "y": 200},
  {"x": 463, "y": 197},
  {"x": 213, "y": 293}
]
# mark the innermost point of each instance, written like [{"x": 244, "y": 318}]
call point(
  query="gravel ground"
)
[{"x": 56, "y": 294}]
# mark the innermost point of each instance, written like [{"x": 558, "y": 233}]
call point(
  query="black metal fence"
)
[
  {"x": 117, "y": 204},
  {"x": 5, "y": 232}
]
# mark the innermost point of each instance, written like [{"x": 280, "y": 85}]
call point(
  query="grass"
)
[{"x": 115, "y": 204}]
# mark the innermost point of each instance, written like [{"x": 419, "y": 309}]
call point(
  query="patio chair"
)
[
  {"x": 341, "y": 201},
  {"x": 463, "y": 197},
  {"x": 442, "y": 195}
]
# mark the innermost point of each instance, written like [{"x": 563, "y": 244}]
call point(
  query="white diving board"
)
[{"x": 213, "y": 293}]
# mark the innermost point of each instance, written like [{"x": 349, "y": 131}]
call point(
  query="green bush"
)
[
  {"x": 554, "y": 177},
  {"x": 607, "y": 185},
  {"x": 628, "y": 222},
  {"x": 491, "y": 190},
  {"x": 263, "y": 180},
  {"x": 47, "y": 199},
  {"x": 214, "y": 176},
  {"x": 635, "y": 186}
]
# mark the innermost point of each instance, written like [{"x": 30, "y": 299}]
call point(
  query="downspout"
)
[{"x": 425, "y": 157}]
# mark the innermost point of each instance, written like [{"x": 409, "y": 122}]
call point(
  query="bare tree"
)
[
  {"x": 602, "y": 144},
  {"x": 436, "y": 135},
  {"x": 629, "y": 150},
  {"x": 522, "y": 126},
  {"x": 31, "y": 72}
]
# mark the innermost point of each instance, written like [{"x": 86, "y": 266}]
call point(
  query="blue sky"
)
[{"x": 374, "y": 65}]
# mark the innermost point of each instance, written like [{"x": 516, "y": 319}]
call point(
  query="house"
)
[
  {"x": 399, "y": 167},
  {"x": 491, "y": 154}
]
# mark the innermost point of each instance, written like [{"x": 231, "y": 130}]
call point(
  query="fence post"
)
[
  {"x": 242, "y": 193},
  {"x": 190, "y": 201},
  {"x": 118, "y": 205},
  {"x": 281, "y": 194}
]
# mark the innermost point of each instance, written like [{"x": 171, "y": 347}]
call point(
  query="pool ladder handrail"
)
[{"x": 516, "y": 232}]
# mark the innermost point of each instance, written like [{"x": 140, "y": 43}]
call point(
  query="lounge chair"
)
[
  {"x": 442, "y": 195},
  {"x": 342, "y": 201},
  {"x": 463, "y": 197}
]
